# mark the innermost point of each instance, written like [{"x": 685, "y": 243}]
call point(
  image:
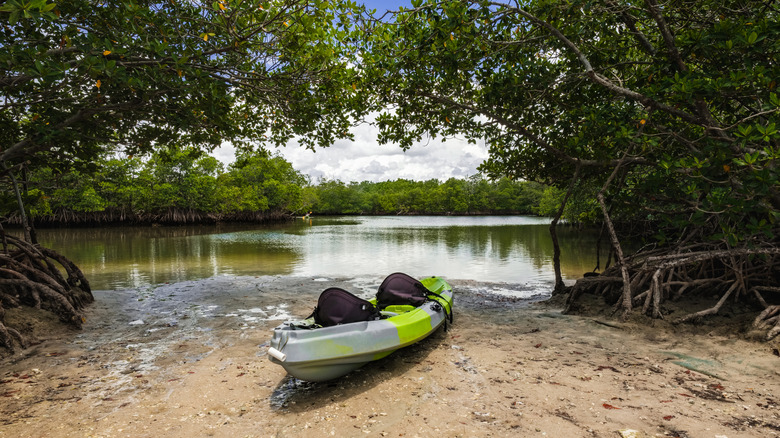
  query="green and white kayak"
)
[{"x": 324, "y": 353}]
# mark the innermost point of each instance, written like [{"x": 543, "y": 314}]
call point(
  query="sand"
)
[{"x": 188, "y": 360}]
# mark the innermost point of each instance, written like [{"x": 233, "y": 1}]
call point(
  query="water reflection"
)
[
  {"x": 507, "y": 249},
  {"x": 113, "y": 258}
]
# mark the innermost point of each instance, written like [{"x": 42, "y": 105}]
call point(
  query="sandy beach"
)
[{"x": 188, "y": 359}]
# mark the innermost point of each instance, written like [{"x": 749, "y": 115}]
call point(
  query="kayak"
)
[
  {"x": 325, "y": 353},
  {"x": 317, "y": 354}
]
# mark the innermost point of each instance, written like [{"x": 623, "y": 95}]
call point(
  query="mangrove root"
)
[
  {"x": 31, "y": 275},
  {"x": 770, "y": 317},
  {"x": 658, "y": 276}
]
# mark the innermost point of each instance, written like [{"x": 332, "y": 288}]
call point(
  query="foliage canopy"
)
[
  {"x": 681, "y": 97},
  {"x": 80, "y": 75},
  {"x": 666, "y": 113}
]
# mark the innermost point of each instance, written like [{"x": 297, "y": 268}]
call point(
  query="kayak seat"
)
[
  {"x": 401, "y": 289},
  {"x": 337, "y": 306}
]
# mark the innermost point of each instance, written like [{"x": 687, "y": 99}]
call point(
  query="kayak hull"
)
[{"x": 326, "y": 353}]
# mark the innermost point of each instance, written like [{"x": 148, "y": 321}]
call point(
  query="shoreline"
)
[
  {"x": 188, "y": 359},
  {"x": 118, "y": 219}
]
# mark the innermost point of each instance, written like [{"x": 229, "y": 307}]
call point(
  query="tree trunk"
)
[
  {"x": 626, "y": 294},
  {"x": 20, "y": 203},
  {"x": 560, "y": 287}
]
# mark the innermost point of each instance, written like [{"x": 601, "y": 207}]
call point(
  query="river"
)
[{"x": 511, "y": 249}]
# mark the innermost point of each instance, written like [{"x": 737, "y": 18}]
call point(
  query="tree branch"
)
[
  {"x": 666, "y": 33},
  {"x": 18, "y": 149},
  {"x": 602, "y": 80},
  {"x": 533, "y": 137}
]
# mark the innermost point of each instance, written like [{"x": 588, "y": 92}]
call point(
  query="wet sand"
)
[{"x": 188, "y": 359}]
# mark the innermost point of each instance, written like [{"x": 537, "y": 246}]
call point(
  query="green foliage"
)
[
  {"x": 185, "y": 179},
  {"x": 454, "y": 196},
  {"x": 683, "y": 97},
  {"x": 550, "y": 202},
  {"x": 172, "y": 178},
  {"x": 79, "y": 77},
  {"x": 259, "y": 182},
  {"x": 182, "y": 179}
]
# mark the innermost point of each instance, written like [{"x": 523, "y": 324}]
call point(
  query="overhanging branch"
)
[{"x": 533, "y": 137}]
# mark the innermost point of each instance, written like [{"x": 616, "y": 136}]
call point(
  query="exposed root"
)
[
  {"x": 770, "y": 317},
  {"x": 171, "y": 216},
  {"x": 8, "y": 336},
  {"x": 747, "y": 274},
  {"x": 712, "y": 310},
  {"x": 774, "y": 331},
  {"x": 31, "y": 275}
]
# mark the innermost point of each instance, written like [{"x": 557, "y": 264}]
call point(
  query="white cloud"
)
[
  {"x": 226, "y": 153},
  {"x": 366, "y": 160}
]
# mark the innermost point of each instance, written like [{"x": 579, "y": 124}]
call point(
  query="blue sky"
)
[
  {"x": 366, "y": 160},
  {"x": 382, "y": 6}
]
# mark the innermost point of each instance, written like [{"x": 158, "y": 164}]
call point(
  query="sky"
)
[{"x": 366, "y": 160}]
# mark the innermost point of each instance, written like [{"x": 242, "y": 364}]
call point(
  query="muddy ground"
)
[{"x": 188, "y": 359}]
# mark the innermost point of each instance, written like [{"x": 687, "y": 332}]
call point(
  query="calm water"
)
[{"x": 512, "y": 249}]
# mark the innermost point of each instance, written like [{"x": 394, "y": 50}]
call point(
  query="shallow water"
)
[
  {"x": 140, "y": 330},
  {"x": 188, "y": 359},
  {"x": 512, "y": 249}
]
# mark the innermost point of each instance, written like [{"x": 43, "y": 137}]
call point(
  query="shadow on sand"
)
[{"x": 293, "y": 395}]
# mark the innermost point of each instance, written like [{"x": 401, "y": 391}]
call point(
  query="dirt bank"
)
[{"x": 188, "y": 359}]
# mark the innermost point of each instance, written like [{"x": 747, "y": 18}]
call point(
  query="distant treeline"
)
[
  {"x": 454, "y": 196},
  {"x": 186, "y": 186}
]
